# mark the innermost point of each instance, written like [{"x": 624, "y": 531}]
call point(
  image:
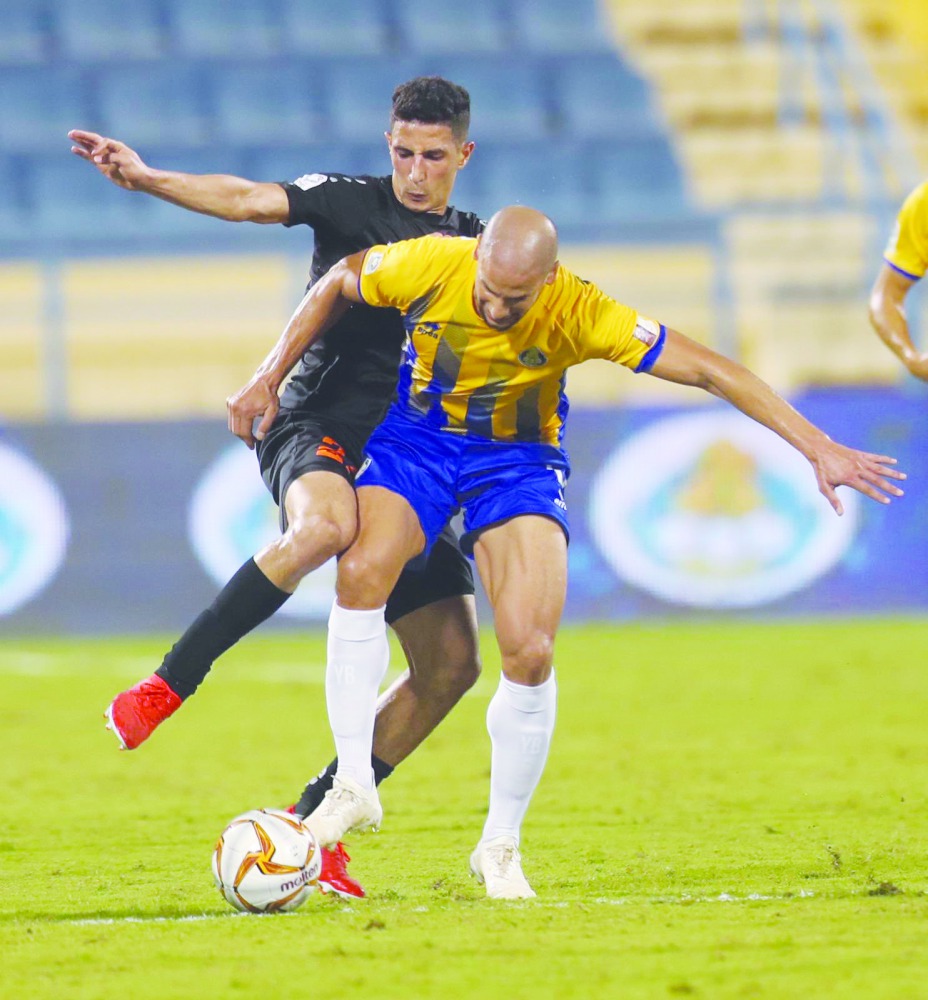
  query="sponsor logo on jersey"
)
[
  {"x": 647, "y": 331},
  {"x": 33, "y": 529},
  {"x": 308, "y": 181},
  {"x": 428, "y": 330},
  {"x": 711, "y": 510},
  {"x": 372, "y": 261},
  {"x": 532, "y": 357}
]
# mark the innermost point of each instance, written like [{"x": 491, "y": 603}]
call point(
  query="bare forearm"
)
[
  {"x": 221, "y": 195},
  {"x": 322, "y": 306},
  {"x": 743, "y": 389},
  {"x": 891, "y": 324}
]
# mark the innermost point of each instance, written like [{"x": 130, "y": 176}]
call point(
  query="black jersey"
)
[{"x": 350, "y": 374}]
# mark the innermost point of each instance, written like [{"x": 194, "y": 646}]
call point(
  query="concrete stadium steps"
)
[
  {"x": 800, "y": 285},
  {"x": 22, "y": 388},
  {"x": 168, "y": 338}
]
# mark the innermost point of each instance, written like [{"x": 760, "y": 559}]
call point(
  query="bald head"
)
[{"x": 516, "y": 258}]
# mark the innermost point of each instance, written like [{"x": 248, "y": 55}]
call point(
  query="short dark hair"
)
[{"x": 433, "y": 100}]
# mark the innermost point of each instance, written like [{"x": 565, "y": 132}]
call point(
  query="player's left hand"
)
[
  {"x": 256, "y": 399},
  {"x": 836, "y": 465}
]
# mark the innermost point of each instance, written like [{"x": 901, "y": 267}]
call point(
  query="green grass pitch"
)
[{"x": 729, "y": 810}]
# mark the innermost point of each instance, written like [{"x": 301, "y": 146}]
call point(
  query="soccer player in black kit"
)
[{"x": 335, "y": 399}]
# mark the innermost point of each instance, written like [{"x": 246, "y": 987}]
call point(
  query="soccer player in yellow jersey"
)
[
  {"x": 477, "y": 424},
  {"x": 904, "y": 262}
]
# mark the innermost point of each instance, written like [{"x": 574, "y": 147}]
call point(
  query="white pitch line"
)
[{"x": 561, "y": 904}]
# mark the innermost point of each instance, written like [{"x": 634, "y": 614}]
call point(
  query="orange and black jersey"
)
[{"x": 350, "y": 374}]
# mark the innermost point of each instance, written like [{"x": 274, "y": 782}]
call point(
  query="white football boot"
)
[
  {"x": 498, "y": 864},
  {"x": 346, "y": 807}
]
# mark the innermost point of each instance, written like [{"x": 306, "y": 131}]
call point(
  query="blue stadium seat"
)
[
  {"x": 39, "y": 106},
  {"x": 91, "y": 30},
  {"x": 25, "y": 34},
  {"x": 637, "y": 180},
  {"x": 451, "y": 26},
  {"x": 320, "y": 27},
  {"x": 13, "y": 216},
  {"x": 162, "y": 104},
  {"x": 360, "y": 93},
  {"x": 601, "y": 96},
  {"x": 207, "y": 28},
  {"x": 320, "y": 158},
  {"x": 507, "y": 96},
  {"x": 553, "y": 26},
  {"x": 276, "y": 104},
  {"x": 71, "y": 201},
  {"x": 538, "y": 174}
]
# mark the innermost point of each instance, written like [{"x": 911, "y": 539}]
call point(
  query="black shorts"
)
[{"x": 298, "y": 443}]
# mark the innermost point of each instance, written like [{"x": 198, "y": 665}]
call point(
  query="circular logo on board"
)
[
  {"x": 712, "y": 510},
  {"x": 232, "y": 516},
  {"x": 34, "y": 529}
]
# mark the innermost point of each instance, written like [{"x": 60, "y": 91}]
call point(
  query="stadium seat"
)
[
  {"x": 549, "y": 178},
  {"x": 70, "y": 201},
  {"x": 320, "y": 27},
  {"x": 450, "y": 26},
  {"x": 360, "y": 91},
  {"x": 93, "y": 30},
  {"x": 39, "y": 106},
  {"x": 507, "y": 96},
  {"x": 600, "y": 96},
  {"x": 320, "y": 158},
  {"x": 154, "y": 105},
  {"x": 267, "y": 104},
  {"x": 209, "y": 28},
  {"x": 636, "y": 180},
  {"x": 547, "y": 26},
  {"x": 25, "y": 36},
  {"x": 13, "y": 216}
]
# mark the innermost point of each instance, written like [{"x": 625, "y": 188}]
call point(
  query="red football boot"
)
[
  {"x": 334, "y": 876},
  {"x": 135, "y": 714}
]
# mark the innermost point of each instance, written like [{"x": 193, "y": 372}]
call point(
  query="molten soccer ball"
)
[{"x": 266, "y": 861}]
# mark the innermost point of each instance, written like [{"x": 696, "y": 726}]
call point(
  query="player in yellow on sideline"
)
[
  {"x": 491, "y": 324},
  {"x": 905, "y": 261}
]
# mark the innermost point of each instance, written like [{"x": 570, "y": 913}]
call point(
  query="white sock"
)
[
  {"x": 358, "y": 653},
  {"x": 520, "y": 721}
]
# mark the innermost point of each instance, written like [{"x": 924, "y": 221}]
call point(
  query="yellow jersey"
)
[
  {"x": 907, "y": 250},
  {"x": 461, "y": 375}
]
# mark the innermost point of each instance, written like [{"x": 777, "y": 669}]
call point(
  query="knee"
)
[
  {"x": 461, "y": 668},
  {"x": 363, "y": 581},
  {"x": 315, "y": 538},
  {"x": 530, "y": 661}
]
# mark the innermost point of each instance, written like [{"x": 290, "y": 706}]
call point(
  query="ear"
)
[
  {"x": 465, "y": 153},
  {"x": 552, "y": 274},
  {"x": 389, "y": 137},
  {"x": 477, "y": 247}
]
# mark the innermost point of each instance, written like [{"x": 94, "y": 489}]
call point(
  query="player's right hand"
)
[
  {"x": 114, "y": 159},
  {"x": 256, "y": 399}
]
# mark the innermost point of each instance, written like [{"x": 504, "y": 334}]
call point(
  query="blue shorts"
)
[{"x": 440, "y": 473}]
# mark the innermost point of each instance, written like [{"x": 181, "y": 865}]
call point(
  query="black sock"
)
[
  {"x": 248, "y": 599},
  {"x": 315, "y": 791}
]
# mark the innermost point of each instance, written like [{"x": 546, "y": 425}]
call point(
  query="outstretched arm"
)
[
  {"x": 324, "y": 304},
  {"x": 232, "y": 198},
  {"x": 689, "y": 363},
  {"x": 888, "y": 318}
]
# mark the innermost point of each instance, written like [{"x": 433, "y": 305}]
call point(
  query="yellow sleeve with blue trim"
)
[
  {"x": 613, "y": 331},
  {"x": 907, "y": 251}
]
